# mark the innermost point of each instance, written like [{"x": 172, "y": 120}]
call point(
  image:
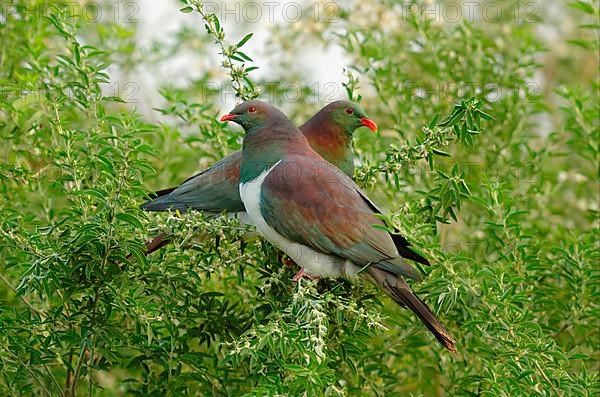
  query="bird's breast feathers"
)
[{"x": 315, "y": 262}]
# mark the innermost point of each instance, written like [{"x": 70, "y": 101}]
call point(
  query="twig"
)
[
  {"x": 30, "y": 372},
  {"x": 234, "y": 59},
  {"x": 77, "y": 370},
  {"x": 23, "y": 299}
]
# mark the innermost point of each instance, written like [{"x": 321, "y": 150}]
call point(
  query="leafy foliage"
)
[{"x": 466, "y": 165}]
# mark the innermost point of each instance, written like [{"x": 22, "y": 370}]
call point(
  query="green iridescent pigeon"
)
[
  {"x": 216, "y": 190},
  {"x": 329, "y": 132},
  {"x": 317, "y": 215}
]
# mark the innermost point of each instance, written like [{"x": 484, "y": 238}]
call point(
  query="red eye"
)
[
  {"x": 349, "y": 110},
  {"x": 252, "y": 110}
]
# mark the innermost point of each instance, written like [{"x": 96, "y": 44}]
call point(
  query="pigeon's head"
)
[
  {"x": 251, "y": 114},
  {"x": 349, "y": 115}
]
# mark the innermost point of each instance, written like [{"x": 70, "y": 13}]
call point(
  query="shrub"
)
[{"x": 493, "y": 177}]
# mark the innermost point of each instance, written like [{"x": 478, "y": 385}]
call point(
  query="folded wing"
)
[
  {"x": 214, "y": 190},
  {"x": 308, "y": 200}
]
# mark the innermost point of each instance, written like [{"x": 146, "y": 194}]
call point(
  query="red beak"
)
[
  {"x": 228, "y": 117},
  {"x": 370, "y": 124}
]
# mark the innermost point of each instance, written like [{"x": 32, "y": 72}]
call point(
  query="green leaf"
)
[
  {"x": 244, "y": 56},
  {"x": 132, "y": 220},
  {"x": 434, "y": 121},
  {"x": 244, "y": 40},
  {"x": 453, "y": 119},
  {"x": 582, "y": 6},
  {"x": 484, "y": 115},
  {"x": 440, "y": 152}
]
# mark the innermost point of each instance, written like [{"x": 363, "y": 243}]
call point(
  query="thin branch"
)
[
  {"x": 233, "y": 58},
  {"x": 23, "y": 299},
  {"x": 31, "y": 372},
  {"x": 77, "y": 370}
]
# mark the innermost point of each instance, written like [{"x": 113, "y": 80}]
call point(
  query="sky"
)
[{"x": 159, "y": 20}]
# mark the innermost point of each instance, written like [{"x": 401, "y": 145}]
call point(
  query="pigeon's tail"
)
[
  {"x": 164, "y": 203},
  {"x": 399, "y": 290},
  {"x": 157, "y": 243},
  {"x": 163, "y": 192}
]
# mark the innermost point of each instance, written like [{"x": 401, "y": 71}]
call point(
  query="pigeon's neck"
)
[
  {"x": 265, "y": 146},
  {"x": 332, "y": 141}
]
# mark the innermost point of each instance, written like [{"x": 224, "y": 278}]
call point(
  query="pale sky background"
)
[
  {"x": 162, "y": 19},
  {"x": 319, "y": 65}
]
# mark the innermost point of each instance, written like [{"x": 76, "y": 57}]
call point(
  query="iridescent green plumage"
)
[{"x": 216, "y": 190}]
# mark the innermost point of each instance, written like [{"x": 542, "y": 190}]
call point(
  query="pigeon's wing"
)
[
  {"x": 402, "y": 244},
  {"x": 309, "y": 201},
  {"x": 214, "y": 190}
]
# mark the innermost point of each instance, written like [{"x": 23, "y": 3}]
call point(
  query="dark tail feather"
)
[
  {"x": 160, "y": 193},
  {"x": 164, "y": 203},
  {"x": 399, "y": 290},
  {"x": 157, "y": 243},
  {"x": 406, "y": 251},
  {"x": 155, "y": 198}
]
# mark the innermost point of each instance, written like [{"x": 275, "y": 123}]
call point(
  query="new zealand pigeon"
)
[
  {"x": 216, "y": 190},
  {"x": 316, "y": 214}
]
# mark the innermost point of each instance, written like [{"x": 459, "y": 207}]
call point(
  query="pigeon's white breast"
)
[
  {"x": 314, "y": 262},
  {"x": 241, "y": 216}
]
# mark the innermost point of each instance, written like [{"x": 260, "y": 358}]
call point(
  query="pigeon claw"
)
[{"x": 302, "y": 274}]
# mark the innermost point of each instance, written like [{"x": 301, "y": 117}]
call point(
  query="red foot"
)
[
  {"x": 298, "y": 275},
  {"x": 302, "y": 274}
]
